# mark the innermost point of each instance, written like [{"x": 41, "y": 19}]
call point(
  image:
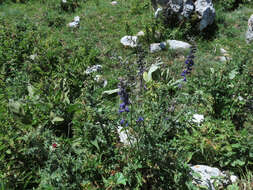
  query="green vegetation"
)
[{"x": 59, "y": 130}]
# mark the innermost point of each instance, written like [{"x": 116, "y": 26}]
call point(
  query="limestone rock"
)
[
  {"x": 141, "y": 33},
  {"x": 75, "y": 23},
  {"x": 223, "y": 51},
  {"x": 207, "y": 175},
  {"x": 206, "y": 12},
  {"x": 114, "y": 3},
  {"x": 93, "y": 69},
  {"x": 155, "y": 47},
  {"x": 249, "y": 33},
  {"x": 185, "y": 8},
  {"x": 129, "y": 41},
  {"x": 175, "y": 44}
]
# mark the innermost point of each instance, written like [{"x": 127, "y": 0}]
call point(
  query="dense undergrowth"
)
[{"x": 60, "y": 131}]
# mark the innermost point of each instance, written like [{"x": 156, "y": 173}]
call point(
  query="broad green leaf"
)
[
  {"x": 152, "y": 69},
  {"x": 232, "y": 74},
  {"x": 120, "y": 179},
  {"x": 145, "y": 77},
  {"x": 57, "y": 119},
  {"x": 16, "y": 107},
  {"x": 30, "y": 90},
  {"x": 95, "y": 143}
]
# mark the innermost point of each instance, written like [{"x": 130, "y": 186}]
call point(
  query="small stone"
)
[
  {"x": 114, "y": 3},
  {"x": 197, "y": 118},
  {"x": 175, "y": 44},
  {"x": 129, "y": 41},
  {"x": 223, "y": 51},
  {"x": 64, "y": 1},
  {"x": 73, "y": 24},
  {"x": 223, "y": 58},
  {"x": 77, "y": 19},
  {"x": 155, "y": 47},
  {"x": 141, "y": 33},
  {"x": 233, "y": 178},
  {"x": 93, "y": 69}
]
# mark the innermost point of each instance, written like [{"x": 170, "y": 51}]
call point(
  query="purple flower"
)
[
  {"x": 124, "y": 97},
  {"x": 122, "y": 121},
  {"x": 189, "y": 63},
  {"x": 140, "y": 119}
]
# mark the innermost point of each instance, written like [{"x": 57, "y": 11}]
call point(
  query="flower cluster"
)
[
  {"x": 189, "y": 62},
  {"x": 124, "y": 97}
]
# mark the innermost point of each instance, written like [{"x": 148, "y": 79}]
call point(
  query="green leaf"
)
[
  {"x": 95, "y": 143},
  {"x": 235, "y": 145},
  {"x": 238, "y": 162},
  {"x": 232, "y": 74},
  {"x": 57, "y": 119},
  {"x": 16, "y": 107},
  {"x": 120, "y": 179},
  {"x": 145, "y": 77}
]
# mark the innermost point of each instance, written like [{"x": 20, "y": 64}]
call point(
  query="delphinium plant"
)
[{"x": 189, "y": 62}]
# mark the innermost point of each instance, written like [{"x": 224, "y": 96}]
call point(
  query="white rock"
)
[
  {"x": 175, "y": 44},
  {"x": 249, "y": 33},
  {"x": 188, "y": 9},
  {"x": 77, "y": 19},
  {"x": 64, "y": 1},
  {"x": 206, "y": 12},
  {"x": 197, "y": 118},
  {"x": 93, "y": 69},
  {"x": 155, "y": 47},
  {"x": 114, "y": 3},
  {"x": 129, "y": 41},
  {"x": 223, "y": 51},
  {"x": 141, "y": 33},
  {"x": 207, "y": 174},
  {"x": 233, "y": 178},
  {"x": 99, "y": 79},
  {"x": 223, "y": 58},
  {"x": 73, "y": 24}
]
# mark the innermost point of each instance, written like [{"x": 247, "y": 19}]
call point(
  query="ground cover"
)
[{"x": 60, "y": 131}]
